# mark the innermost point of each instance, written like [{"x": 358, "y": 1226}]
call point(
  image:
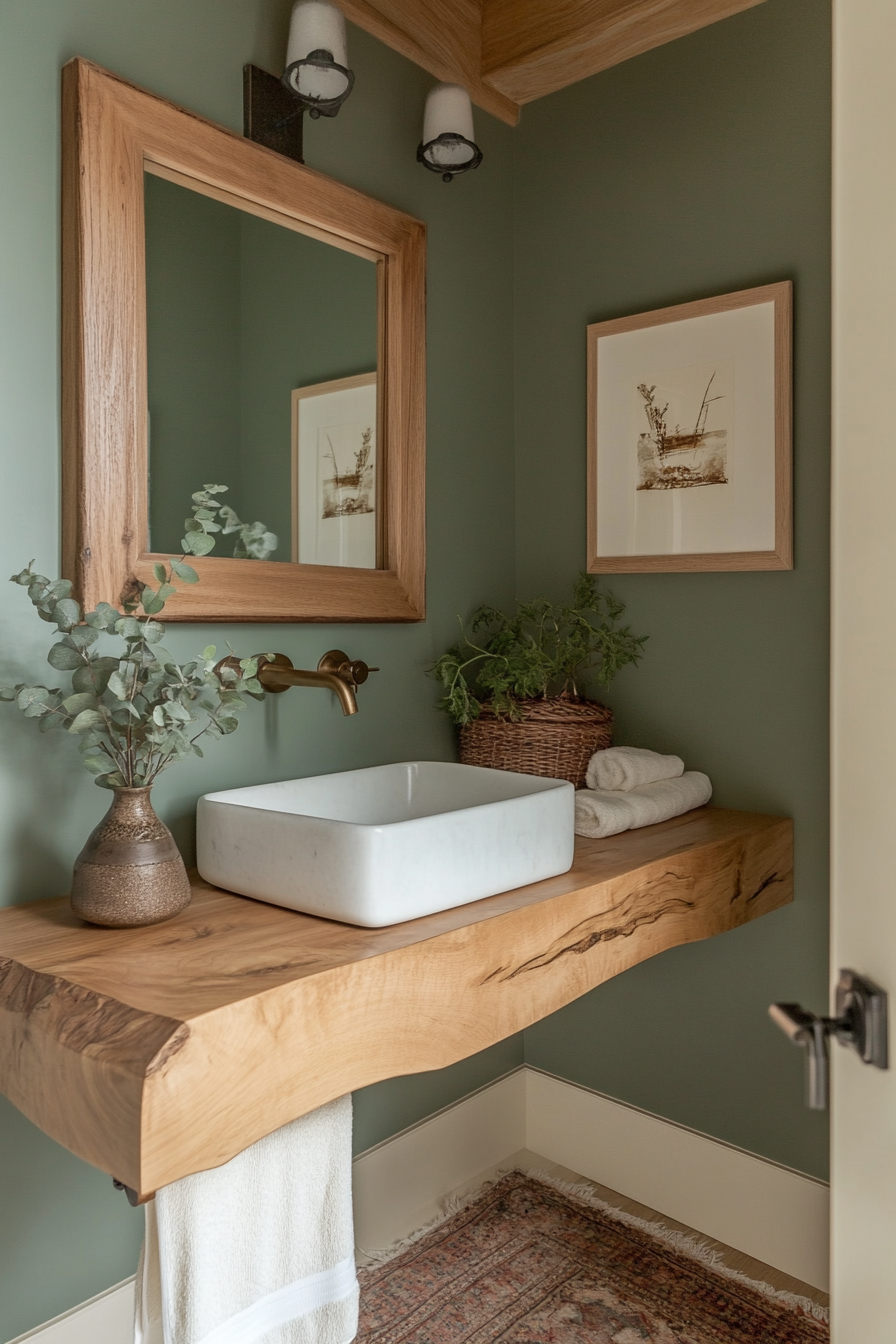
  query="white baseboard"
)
[
  {"x": 107, "y": 1318},
  {"x": 397, "y": 1184},
  {"x": 770, "y": 1212}
]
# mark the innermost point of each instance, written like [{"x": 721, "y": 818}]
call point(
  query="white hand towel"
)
[
  {"x": 601, "y": 812},
  {"x": 630, "y": 767},
  {"x": 260, "y": 1247}
]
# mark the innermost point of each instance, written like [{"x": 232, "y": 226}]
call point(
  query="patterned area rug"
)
[{"x": 527, "y": 1262}]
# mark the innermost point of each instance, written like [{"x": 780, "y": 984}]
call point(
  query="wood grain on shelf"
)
[
  {"x": 533, "y": 47},
  {"x": 111, "y": 132},
  {"x": 157, "y": 1052}
]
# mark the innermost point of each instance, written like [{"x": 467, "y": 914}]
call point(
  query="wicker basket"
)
[{"x": 555, "y": 738}]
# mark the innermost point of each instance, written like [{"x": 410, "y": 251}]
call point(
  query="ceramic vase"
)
[{"x": 130, "y": 872}]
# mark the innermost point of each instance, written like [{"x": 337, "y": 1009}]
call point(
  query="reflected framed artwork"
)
[
  {"x": 335, "y": 473},
  {"x": 689, "y": 436}
]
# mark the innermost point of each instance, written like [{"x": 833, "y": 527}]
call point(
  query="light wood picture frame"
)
[
  {"x": 695, "y": 395},
  {"x": 113, "y": 133}
]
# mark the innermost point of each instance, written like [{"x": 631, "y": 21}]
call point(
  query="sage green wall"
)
[
  {"x": 699, "y": 168},
  {"x": 239, "y": 312},
  {"x": 308, "y": 316},
  {"x": 64, "y": 1233},
  {"x": 192, "y": 351}
]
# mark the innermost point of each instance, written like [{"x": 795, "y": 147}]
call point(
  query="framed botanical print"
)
[
  {"x": 335, "y": 473},
  {"x": 689, "y": 436}
]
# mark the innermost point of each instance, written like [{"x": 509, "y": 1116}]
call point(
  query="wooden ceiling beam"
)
[
  {"x": 510, "y": 52},
  {"x": 441, "y": 36},
  {"x": 534, "y": 47}
]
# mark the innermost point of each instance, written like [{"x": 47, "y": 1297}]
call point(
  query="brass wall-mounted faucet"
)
[{"x": 336, "y": 671}]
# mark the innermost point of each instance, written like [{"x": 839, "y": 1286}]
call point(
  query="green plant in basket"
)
[{"x": 541, "y": 650}]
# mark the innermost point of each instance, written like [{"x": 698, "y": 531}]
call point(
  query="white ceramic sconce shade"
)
[
  {"x": 448, "y": 146},
  {"x": 317, "y": 55}
]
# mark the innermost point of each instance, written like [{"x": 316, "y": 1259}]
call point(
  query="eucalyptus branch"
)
[{"x": 131, "y": 706}]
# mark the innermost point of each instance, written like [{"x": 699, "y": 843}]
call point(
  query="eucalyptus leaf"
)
[
  {"x": 198, "y": 543},
  {"x": 74, "y": 704},
  {"x": 160, "y": 572},
  {"x": 151, "y": 602},
  {"x": 66, "y": 613},
  {"x": 88, "y": 718},
  {"x": 153, "y": 631},
  {"x": 175, "y": 710},
  {"x": 128, "y": 627},
  {"x": 33, "y": 700},
  {"x": 118, "y": 686},
  {"x": 82, "y": 680},
  {"x": 97, "y": 765},
  {"x": 64, "y": 658},
  {"x": 83, "y": 636},
  {"x": 104, "y": 617},
  {"x": 186, "y": 573}
]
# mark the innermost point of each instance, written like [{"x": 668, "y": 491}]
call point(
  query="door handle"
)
[{"x": 860, "y": 1022}]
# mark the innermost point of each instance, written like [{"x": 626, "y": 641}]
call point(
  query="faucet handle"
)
[
  {"x": 358, "y": 671},
  {"x": 352, "y": 670}
]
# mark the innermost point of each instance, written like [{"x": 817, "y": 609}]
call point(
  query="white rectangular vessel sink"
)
[{"x": 389, "y": 843}]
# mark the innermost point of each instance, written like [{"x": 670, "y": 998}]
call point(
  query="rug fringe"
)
[
  {"x": 686, "y": 1244},
  {"x": 683, "y": 1242}
]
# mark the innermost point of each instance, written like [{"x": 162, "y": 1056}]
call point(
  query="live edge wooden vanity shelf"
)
[{"x": 153, "y": 1053}]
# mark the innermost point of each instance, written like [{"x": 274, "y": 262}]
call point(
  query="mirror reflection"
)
[{"x": 261, "y": 363}]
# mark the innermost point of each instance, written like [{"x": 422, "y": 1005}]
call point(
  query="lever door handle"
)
[
  {"x": 810, "y": 1031},
  {"x": 860, "y": 1023}
]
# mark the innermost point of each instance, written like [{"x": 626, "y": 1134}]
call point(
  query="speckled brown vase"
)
[{"x": 130, "y": 872}]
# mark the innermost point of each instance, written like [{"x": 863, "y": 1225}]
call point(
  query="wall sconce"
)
[
  {"x": 316, "y": 80},
  {"x": 316, "y": 71},
  {"x": 448, "y": 146}
]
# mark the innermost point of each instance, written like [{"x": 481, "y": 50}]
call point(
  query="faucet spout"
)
[{"x": 275, "y": 677}]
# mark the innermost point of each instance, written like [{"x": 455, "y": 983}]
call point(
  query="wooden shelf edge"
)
[{"x": 158, "y": 1052}]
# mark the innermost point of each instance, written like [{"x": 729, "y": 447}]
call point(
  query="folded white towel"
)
[
  {"x": 600, "y": 812},
  {"x": 630, "y": 767},
  {"x": 262, "y": 1246}
]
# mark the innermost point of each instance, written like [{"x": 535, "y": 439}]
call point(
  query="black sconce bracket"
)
[{"x": 272, "y": 116}]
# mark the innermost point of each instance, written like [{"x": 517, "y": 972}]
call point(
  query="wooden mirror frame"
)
[{"x": 111, "y": 132}]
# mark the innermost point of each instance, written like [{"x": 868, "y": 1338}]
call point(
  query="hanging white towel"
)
[
  {"x": 260, "y": 1248},
  {"x": 630, "y": 767},
  {"x": 601, "y": 812}
]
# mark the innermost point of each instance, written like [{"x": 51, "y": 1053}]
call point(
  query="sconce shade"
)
[
  {"x": 448, "y": 146},
  {"x": 316, "y": 57}
]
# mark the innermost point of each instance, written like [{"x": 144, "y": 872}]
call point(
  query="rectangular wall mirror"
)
[{"x": 233, "y": 318}]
